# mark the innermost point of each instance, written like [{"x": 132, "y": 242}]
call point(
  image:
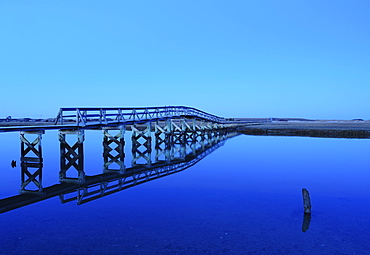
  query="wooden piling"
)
[{"x": 306, "y": 201}]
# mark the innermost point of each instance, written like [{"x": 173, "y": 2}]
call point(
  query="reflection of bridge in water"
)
[
  {"x": 182, "y": 137},
  {"x": 171, "y": 156}
]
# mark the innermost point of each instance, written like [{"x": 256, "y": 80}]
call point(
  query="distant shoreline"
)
[
  {"x": 264, "y": 127},
  {"x": 250, "y": 123},
  {"x": 319, "y": 128},
  {"x": 26, "y": 122}
]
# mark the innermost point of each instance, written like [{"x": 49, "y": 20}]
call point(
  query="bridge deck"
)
[
  {"x": 91, "y": 125},
  {"x": 97, "y": 118}
]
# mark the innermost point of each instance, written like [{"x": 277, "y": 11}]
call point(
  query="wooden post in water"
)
[{"x": 306, "y": 201}]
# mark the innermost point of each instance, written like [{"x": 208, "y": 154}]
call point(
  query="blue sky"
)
[{"x": 273, "y": 58}]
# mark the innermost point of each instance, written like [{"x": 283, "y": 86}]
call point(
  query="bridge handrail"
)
[{"x": 82, "y": 115}]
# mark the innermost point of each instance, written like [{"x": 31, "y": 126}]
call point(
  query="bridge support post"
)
[
  {"x": 210, "y": 131},
  {"x": 163, "y": 140},
  {"x": 114, "y": 156},
  {"x": 72, "y": 156},
  {"x": 178, "y": 148},
  {"x": 201, "y": 133},
  {"x": 190, "y": 135},
  {"x": 141, "y": 144},
  {"x": 190, "y": 130},
  {"x": 31, "y": 158},
  {"x": 215, "y": 132}
]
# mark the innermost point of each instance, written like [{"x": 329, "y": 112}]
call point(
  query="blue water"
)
[{"x": 244, "y": 198}]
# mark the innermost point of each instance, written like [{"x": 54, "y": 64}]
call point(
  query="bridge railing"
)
[{"x": 103, "y": 116}]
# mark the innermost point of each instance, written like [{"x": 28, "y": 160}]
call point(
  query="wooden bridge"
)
[
  {"x": 98, "y": 118},
  {"x": 173, "y": 129}
]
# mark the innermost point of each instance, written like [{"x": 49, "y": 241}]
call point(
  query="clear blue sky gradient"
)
[{"x": 242, "y": 58}]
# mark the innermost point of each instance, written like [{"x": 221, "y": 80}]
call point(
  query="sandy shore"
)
[{"x": 338, "y": 129}]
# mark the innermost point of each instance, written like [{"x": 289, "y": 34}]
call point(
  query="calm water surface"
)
[{"x": 244, "y": 198}]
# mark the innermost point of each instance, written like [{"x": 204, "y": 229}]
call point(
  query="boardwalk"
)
[
  {"x": 97, "y": 118},
  {"x": 167, "y": 131}
]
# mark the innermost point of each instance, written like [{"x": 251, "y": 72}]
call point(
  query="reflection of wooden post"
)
[
  {"x": 306, "y": 201},
  {"x": 307, "y": 210},
  {"x": 141, "y": 144},
  {"x": 71, "y": 156},
  {"x": 306, "y": 221},
  {"x": 31, "y": 162},
  {"x": 113, "y": 149}
]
